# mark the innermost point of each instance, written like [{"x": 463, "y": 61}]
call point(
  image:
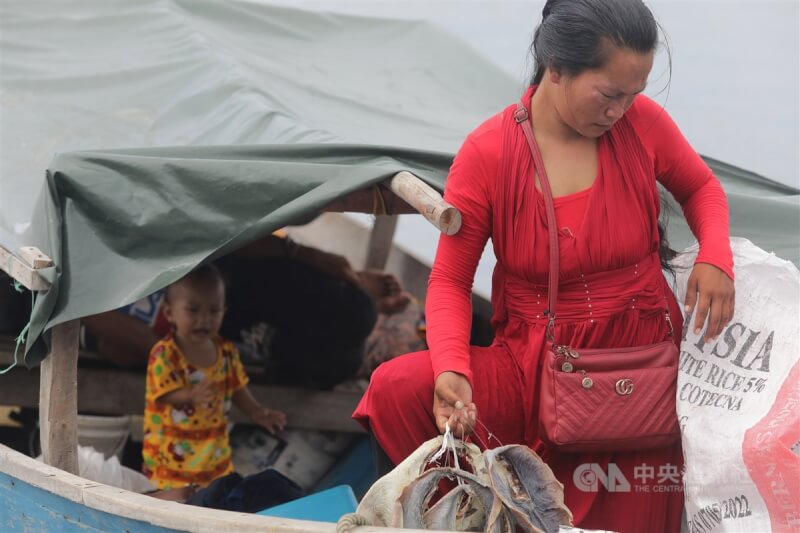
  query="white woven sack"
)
[{"x": 739, "y": 402}]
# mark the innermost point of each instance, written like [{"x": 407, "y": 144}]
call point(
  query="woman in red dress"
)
[{"x": 605, "y": 146}]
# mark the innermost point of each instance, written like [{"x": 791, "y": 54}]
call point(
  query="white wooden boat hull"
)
[{"x": 37, "y": 497}]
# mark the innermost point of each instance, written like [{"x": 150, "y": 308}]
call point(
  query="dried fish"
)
[
  {"x": 463, "y": 508},
  {"x": 379, "y": 504},
  {"x": 508, "y": 489},
  {"x": 458, "y": 510},
  {"x": 528, "y": 489}
]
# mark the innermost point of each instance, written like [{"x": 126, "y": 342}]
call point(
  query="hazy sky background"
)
[{"x": 735, "y": 87}]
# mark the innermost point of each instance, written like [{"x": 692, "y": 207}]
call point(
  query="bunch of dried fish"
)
[
  {"x": 499, "y": 491},
  {"x": 528, "y": 489}
]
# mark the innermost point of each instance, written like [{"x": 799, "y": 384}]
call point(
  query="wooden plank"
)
[
  {"x": 21, "y": 272},
  {"x": 58, "y": 398},
  {"x": 35, "y": 509},
  {"x": 121, "y": 392},
  {"x": 34, "y": 257},
  {"x": 20, "y": 387},
  {"x": 119, "y": 505},
  {"x": 59, "y": 501},
  {"x": 427, "y": 201},
  {"x": 8, "y": 344},
  {"x": 380, "y": 242}
]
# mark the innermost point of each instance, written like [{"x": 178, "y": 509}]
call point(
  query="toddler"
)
[{"x": 193, "y": 375}]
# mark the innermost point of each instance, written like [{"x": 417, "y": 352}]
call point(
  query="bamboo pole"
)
[
  {"x": 427, "y": 201},
  {"x": 409, "y": 195}
]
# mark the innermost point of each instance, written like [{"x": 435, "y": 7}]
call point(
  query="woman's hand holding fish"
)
[{"x": 452, "y": 404}]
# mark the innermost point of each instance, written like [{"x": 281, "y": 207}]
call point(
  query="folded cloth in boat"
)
[{"x": 247, "y": 494}]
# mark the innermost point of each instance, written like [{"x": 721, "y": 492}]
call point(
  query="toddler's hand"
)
[
  {"x": 203, "y": 392},
  {"x": 270, "y": 419}
]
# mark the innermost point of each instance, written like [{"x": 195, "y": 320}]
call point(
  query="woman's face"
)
[{"x": 592, "y": 101}]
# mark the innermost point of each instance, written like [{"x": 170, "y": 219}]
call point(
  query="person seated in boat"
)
[
  {"x": 302, "y": 311},
  {"x": 193, "y": 376}
]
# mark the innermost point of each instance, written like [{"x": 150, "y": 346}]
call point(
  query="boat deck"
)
[{"x": 109, "y": 390}]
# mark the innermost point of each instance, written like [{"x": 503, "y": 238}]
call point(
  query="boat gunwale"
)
[{"x": 156, "y": 512}]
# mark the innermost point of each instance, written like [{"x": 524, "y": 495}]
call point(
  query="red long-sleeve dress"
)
[{"x": 611, "y": 294}]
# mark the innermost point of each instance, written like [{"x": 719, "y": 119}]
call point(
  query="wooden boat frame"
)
[{"x": 58, "y": 382}]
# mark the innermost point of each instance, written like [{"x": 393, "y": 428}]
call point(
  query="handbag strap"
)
[{"x": 521, "y": 116}]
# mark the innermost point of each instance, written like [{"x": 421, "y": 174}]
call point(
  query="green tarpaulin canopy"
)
[{"x": 279, "y": 112}]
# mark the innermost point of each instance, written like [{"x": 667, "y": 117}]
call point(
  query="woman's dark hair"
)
[
  {"x": 665, "y": 253},
  {"x": 574, "y": 34}
]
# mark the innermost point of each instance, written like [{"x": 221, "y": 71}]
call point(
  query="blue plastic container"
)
[
  {"x": 355, "y": 469},
  {"x": 326, "y": 506}
]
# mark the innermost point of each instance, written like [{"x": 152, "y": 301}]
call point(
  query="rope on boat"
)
[{"x": 347, "y": 523}]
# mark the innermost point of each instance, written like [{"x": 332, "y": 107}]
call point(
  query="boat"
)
[
  {"x": 39, "y": 497},
  {"x": 200, "y": 122}
]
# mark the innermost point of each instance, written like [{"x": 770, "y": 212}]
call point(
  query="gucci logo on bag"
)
[{"x": 624, "y": 386}]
